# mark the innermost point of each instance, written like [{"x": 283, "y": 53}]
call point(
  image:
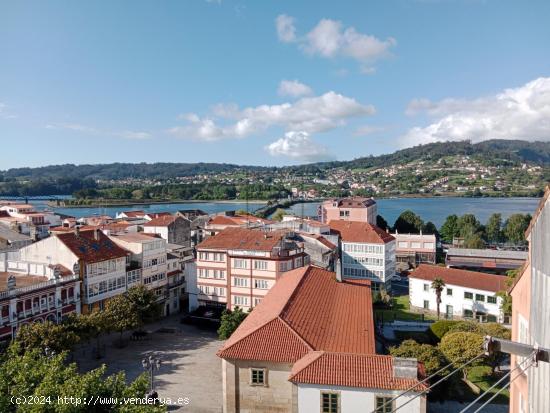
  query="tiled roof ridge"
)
[{"x": 303, "y": 340}]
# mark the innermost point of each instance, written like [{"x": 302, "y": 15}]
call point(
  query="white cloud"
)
[
  {"x": 4, "y": 114},
  {"x": 330, "y": 39},
  {"x": 77, "y": 127},
  {"x": 367, "y": 130},
  {"x": 294, "y": 88},
  {"x": 134, "y": 135},
  {"x": 519, "y": 113},
  {"x": 285, "y": 28},
  {"x": 299, "y": 145},
  {"x": 308, "y": 114}
]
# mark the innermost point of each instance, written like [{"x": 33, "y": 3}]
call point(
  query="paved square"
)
[{"x": 190, "y": 367}]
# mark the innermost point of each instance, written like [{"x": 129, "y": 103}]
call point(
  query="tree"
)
[
  {"x": 431, "y": 356},
  {"x": 145, "y": 303},
  {"x": 279, "y": 214},
  {"x": 493, "y": 228},
  {"x": 430, "y": 228},
  {"x": 468, "y": 225},
  {"x": 474, "y": 241},
  {"x": 46, "y": 336},
  {"x": 515, "y": 227},
  {"x": 381, "y": 222},
  {"x": 230, "y": 320},
  {"x": 34, "y": 375},
  {"x": 408, "y": 222},
  {"x": 385, "y": 298},
  {"x": 121, "y": 314},
  {"x": 449, "y": 229},
  {"x": 437, "y": 285},
  {"x": 461, "y": 347}
]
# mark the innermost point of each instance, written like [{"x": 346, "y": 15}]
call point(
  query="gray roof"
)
[
  {"x": 12, "y": 236},
  {"x": 487, "y": 253}
]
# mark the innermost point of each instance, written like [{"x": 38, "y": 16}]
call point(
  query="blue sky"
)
[{"x": 266, "y": 82}]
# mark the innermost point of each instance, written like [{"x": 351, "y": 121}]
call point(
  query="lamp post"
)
[{"x": 151, "y": 363}]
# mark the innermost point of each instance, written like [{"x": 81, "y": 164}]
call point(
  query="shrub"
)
[{"x": 438, "y": 329}]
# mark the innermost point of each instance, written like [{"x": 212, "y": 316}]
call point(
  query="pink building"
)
[
  {"x": 415, "y": 248},
  {"x": 238, "y": 266},
  {"x": 348, "y": 209}
]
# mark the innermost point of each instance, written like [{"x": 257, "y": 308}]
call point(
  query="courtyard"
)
[{"x": 190, "y": 368}]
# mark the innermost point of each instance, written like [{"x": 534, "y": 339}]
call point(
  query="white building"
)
[
  {"x": 366, "y": 251},
  {"x": 467, "y": 294}
]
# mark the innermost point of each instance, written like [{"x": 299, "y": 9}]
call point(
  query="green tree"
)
[
  {"x": 449, "y": 229},
  {"x": 145, "y": 303},
  {"x": 121, "y": 314},
  {"x": 430, "y": 228},
  {"x": 408, "y": 222},
  {"x": 468, "y": 225},
  {"x": 437, "y": 285},
  {"x": 33, "y": 374},
  {"x": 474, "y": 241},
  {"x": 515, "y": 227},
  {"x": 431, "y": 356},
  {"x": 46, "y": 336},
  {"x": 461, "y": 347},
  {"x": 493, "y": 228},
  {"x": 381, "y": 222},
  {"x": 279, "y": 214},
  {"x": 230, "y": 320}
]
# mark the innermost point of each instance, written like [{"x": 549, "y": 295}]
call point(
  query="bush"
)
[
  {"x": 418, "y": 336},
  {"x": 430, "y": 356},
  {"x": 438, "y": 329}
]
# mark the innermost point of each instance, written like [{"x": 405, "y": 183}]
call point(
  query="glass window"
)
[
  {"x": 384, "y": 404},
  {"x": 426, "y": 287},
  {"x": 449, "y": 291},
  {"x": 426, "y": 304},
  {"x": 480, "y": 297},
  {"x": 329, "y": 403},
  {"x": 257, "y": 376},
  {"x": 491, "y": 299},
  {"x": 468, "y": 295}
]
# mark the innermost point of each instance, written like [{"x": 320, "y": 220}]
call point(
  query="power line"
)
[
  {"x": 433, "y": 385},
  {"x": 497, "y": 383}
]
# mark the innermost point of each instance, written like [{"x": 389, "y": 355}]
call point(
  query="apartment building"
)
[
  {"x": 238, "y": 266},
  {"x": 25, "y": 219},
  {"x": 531, "y": 315},
  {"x": 174, "y": 229},
  {"x": 349, "y": 209},
  {"x": 302, "y": 350},
  {"x": 415, "y": 249},
  {"x": 98, "y": 261},
  {"x": 366, "y": 251},
  {"x": 467, "y": 294},
  {"x": 29, "y": 298}
]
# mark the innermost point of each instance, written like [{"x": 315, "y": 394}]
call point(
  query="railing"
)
[
  {"x": 176, "y": 283},
  {"x": 38, "y": 286}
]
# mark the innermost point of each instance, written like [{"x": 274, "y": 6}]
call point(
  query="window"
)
[
  {"x": 468, "y": 313},
  {"x": 468, "y": 295},
  {"x": 426, "y": 305},
  {"x": 449, "y": 291},
  {"x": 240, "y": 282},
  {"x": 239, "y": 263},
  {"x": 426, "y": 287},
  {"x": 402, "y": 244},
  {"x": 261, "y": 284},
  {"x": 480, "y": 297},
  {"x": 260, "y": 265},
  {"x": 239, "y": 300},
  {"x": 329, "y": 402},
  {"x": 257, "y": 377},
  {"x": 491, "y": 299},
  {"x": 384, "y": 404}
]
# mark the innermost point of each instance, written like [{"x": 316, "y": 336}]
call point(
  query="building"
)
[
  {"x": 199, "y": 220},
  {"x": 415, "y": 249},
  {"x": 98, "y": 261},
  {"x": 467, "y": 294},
  {"x": 174, "y": 229},
  {"x": 366, "y": 251},
  {"x": 230, "y": 219},
  {"x": 302, "y": 350},
  {"x": 238, "y": 266},
  {"x": 348, "y": 209},
  {"x": 487, "y": 260},
  {"x": 24, "y": 219},
  {"x": 12, "y": 240},
  {"x": 531, "y": 315},
  {"x": 29, "y": 298}
]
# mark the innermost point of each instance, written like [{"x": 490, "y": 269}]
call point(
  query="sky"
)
[{"x": 266, "y": 82}]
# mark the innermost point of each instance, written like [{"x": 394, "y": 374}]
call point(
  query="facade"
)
[
  {"x": 29, "y": 298},
  {"x": 348, "y": 209},
  {"x": 467, "y": 294},
  {"x": 366, "y": 251},
  {"x": 496, "y": 261},
  {"x": 293, "y": 355},
  {"x": 238, "y": 266},
  {"x": 100, "y": 264},
  {"x": 174, "y": 229},
  {"x": 531, "y": 315},
  {"x": 415, "y": 249}
]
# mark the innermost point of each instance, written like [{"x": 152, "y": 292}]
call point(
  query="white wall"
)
[
  {"x": 386, "y": 269},
  {"x": 354, "y": 400},
  {"x": 417, "y": 295}
]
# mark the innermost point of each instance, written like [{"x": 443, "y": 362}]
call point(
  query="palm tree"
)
[{"x": 437, "y": 285}]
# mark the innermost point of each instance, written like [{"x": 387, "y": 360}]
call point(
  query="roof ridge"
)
[
  {"x": 297, "y": 335},
  {"x": 295, "y": 291},
  {"x": 224, "y": 348}
]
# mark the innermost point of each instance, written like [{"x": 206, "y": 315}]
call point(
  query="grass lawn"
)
[
  {"x": 400, "y": 311},
  {"x": 481, "y": 377}
]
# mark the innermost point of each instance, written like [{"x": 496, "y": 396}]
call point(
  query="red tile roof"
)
[
  {"x": 161, "y": 221},
  {"x": 352, "y": 202},
  {"x": 238, "y": 238},
  {"x": 89, "y": 249},
  {"x": 306, "y": 310},
  {"x": 463, "y": 278},
  {"x": 355, "y": 231},
  {"x": 134, "y": 214},
  {"x": 350, "y": 370}
]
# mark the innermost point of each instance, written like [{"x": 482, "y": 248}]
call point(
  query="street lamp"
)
[{"x": 151, "y": 363}]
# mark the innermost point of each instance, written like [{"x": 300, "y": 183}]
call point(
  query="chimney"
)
[
  {"x": 406, "y": 368},
  {"x": 338, "y": 270},
  {"x": 77, "y": 231},
  {"x": 11, "y": 282},
  {"x": 96, "y": 234}
]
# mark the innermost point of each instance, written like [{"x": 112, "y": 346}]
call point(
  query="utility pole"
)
[{"x": 493, "y": 344}]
